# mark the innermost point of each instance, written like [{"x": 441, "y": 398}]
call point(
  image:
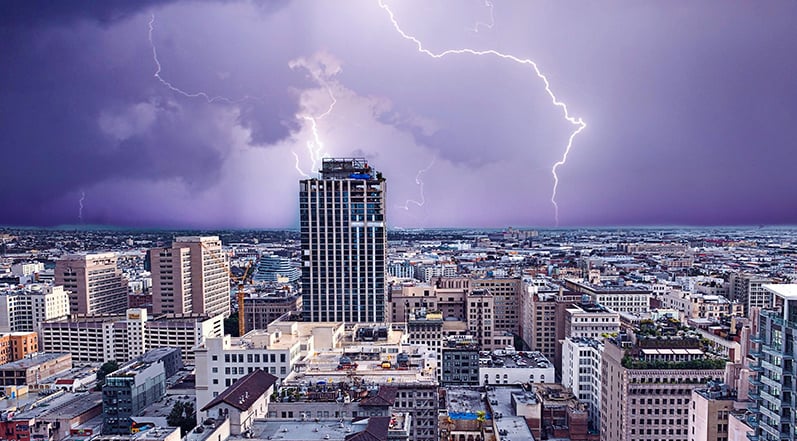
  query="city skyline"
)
[{"x": 105, "y": 121}]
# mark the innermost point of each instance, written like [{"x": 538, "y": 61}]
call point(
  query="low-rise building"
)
[
  {"x": 17, "y": 345},
  {"x": 511, "y": 367},
  {"x": 102, "y": 338},
  {"x": 28, "y": 371},
  {"x": 243, "y": 402}
]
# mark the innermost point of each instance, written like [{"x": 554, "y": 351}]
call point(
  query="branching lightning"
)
[
  {"x": 488, "y": 4},
  {"x": 80, "y": 209},
  {"x": 523, "y": 61},
  {"x": 419, "y": 183},
  {"x": 315, "y": 146},
  {"x": 172, "y": 87}
]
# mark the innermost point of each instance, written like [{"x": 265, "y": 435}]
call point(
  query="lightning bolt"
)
[
  {"x": 80, "y": 202},
  {"x": 419, "y": 183},
  {"x": 210, "y": 99},
  {"x": 523, "y": 61},
  {"x": 315, "y": 146},
  {"x": 488, "y": 4}
]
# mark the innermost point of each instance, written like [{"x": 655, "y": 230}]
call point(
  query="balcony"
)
[
  {"x": 752, "y": 421},
  {"x": 752, "y": 436},
  {"x": 755, "y": 382},
  {"x": 754, "y": 395},
  {"x": 753, "y": 407},
  {"x": 756, "y": 368},
  {"x": 756, "y": 353},
  {"x": 756, "y": 338}
]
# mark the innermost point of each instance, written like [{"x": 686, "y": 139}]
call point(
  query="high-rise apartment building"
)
[
  {"x": 344, "y": 238},
  {"x": 774, "y": 389},
  {"x": 95, "y": 283},
  {"x": 191, "y": 277}
]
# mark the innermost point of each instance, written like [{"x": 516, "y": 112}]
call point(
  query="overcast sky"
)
[{"x": 689, "y": 107}]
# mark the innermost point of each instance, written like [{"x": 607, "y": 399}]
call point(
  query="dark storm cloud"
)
[{"x": 688, "y": 108}]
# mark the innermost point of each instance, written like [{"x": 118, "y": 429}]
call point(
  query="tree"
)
[
  {"x": 106, "y": 369},
  {"x": 231, "y": 325},
  {"x": 182, "y": 416}
]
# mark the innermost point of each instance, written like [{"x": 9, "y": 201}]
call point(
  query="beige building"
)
[
  {"x": 506, "y": 295},
  {"x": 94, "y": 282},
  {"x": 709, "y": 413},
  {"x": 454, "y": 299},
  {"x": 24, "y": 310},
  {"x": 644, "y": 403},
  {"x": 191, "y": 276},
  {"x": 103, "y": 338}
]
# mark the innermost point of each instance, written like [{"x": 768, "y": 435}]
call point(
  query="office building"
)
[
  {"x": 591, "y": 321},
  {"x": 581, "y": 373},
  {"x": 506, "y": 295},
  {"x": 94, "y": 339},
  {"x": 191, "y": 277},
  {"x": 647, "y": 382},
  {"x": 343, "y": 235},
  {"x": 709, "y": 413},
  {"x": 263, "y": 307},
  {"x": 275, "y": 269},
  {"x": 94, "y": 282},
  {"x": 136, "y": 385},
  {"x": 26, "y": 308},
  {"x": 460, "y": 362}
]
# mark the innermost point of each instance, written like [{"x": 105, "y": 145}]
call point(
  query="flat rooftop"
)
[
  {"x": 786, "y": 291},
  {"x": 27, "y": 363},
  {"x": 303, "y": 430}
]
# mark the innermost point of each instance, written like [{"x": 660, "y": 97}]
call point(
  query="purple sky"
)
[{"x": 690, "y": 110}]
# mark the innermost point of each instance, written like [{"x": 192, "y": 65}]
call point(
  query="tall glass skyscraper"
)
[{"x": 344, "y": 237}]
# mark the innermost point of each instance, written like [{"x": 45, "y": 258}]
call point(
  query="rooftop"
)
[
  {"x": 786, "y": 291},
  {"x": 35, "y": 360},
  {"x": 246, "y": 391}
]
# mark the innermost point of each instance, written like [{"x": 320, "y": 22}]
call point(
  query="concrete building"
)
[
  {"x": 709, "y": 412},
  {"x": 748, "y": 289},
  {"x": 618, "y": 298},
  {"x": 506, "y": 294},
  {"x": 222, "y": 361},
  {"x": 17, "y": 345},
  {"x": 460, "y": 362},
  {"x": 122, "y": 338},
  {"x": 24, "y": 310},
  {"x": 191, "y": 277},
  {"x": 647, "y": 384},
  {"x": 581, "y": 373},
  {"x": 28, "y": 371},
  {"x": 94, "y": 282},
  {"x": 590, "y": 321},
  {"x": 262, "y": 308},
  {"x": 52, "y": 417},
  {"x": 417, "y": 387},
  {"x": 344, "y": 239},
  {"x": 510, "y": 367},
  {"x": 133, "y": 387},
  {"x": 244, "y": 401},
  {"x": 696, "y": 305}
]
